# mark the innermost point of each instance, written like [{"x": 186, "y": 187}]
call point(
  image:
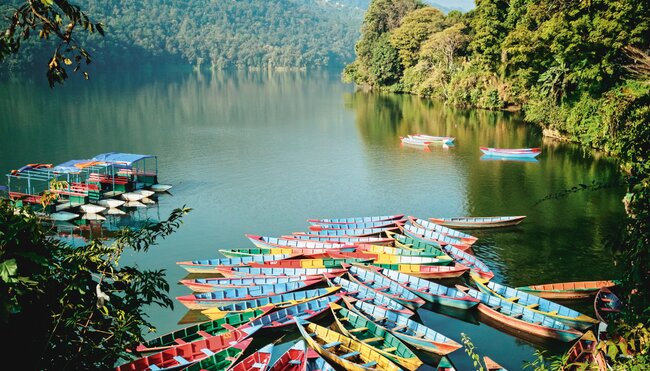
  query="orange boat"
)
[
  {"x": 568, "y": 290},
  {"x": 585, "y": 351},
  {"x": 490, "y": 365}
]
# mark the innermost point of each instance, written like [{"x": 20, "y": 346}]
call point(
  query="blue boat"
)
[
  {"x": 273, "y": 242},
  {"x": 474, "y": 263},
  {"x": 427, "y": 224},
  {"x": 364, "y": 232},
  {"x": 287, "y": 316},
  {"x": 385, "y": 286},
  {"x": 511, "y": 152},
  {"x": 414, "y": 333},
  {"x": 341, "y": 239},
  {"x": 521, "y": 319},
  {"x": 212, "y": 284},
  {"x": 363, "y": 293},
  {"x": 317, "y": 363},
  {"x": 379, "y": 224},
  {"x": 432, "y": 236},
  {"x": 253, "y": 271},
  {"x": 234, "y": 295},
  {"x": 209, "y": 265},
  {"x": 552, "y": 309},
  {"x": 360, "y": 219},
  {"x": 430, "y": 291}
]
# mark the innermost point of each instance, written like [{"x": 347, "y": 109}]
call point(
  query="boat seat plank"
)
[
  {"x": 348, "y": 355},
  {"x": 399, "y": 327},
  {"x": 154, "y": 368},
  {"x": 294, "y": 362},
  {"x": 179, "y": 341},
  {"x": 329, "y": 345},
  {"x": 373, "y": 340},
  {"x": 533, "y": 306},
  {"x": 207, "y": 352},
  {"x": 390, "y": 350},
  {"x": 204, "y": 334},
  {"x": 370, "y": 364},
  {"x": 181, "y": 360},
  {"x": 358, "y": 329}
]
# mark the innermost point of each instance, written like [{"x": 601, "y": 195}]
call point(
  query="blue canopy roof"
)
[
  {"x": 69, "y": 166},
  {"x": 121, "y": 158}
]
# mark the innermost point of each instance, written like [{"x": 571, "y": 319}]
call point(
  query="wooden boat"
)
[
  {"x": 244, "y": 271},
  {"x": 307, "y": 310},
  {"x": 414, "y": 333},
  {"x": 91, "y": 209},
  {"x": 294, "y": 359},
  {"x": 342, "y": 239},
  {"x": 426, "y": 224},
  {"x": 144, "y": 192},
  {"x": 521, "y": 319},
  {"x": 212, "y": 265},
  {"x": 428, "y": 271},
  {"x": 490, "y": 365},
  {"x": 202, "y": 330},
  {"x": 389, "y": 259},
  {"x": 430, "y": 291},
  {"x": 557, "y": 311},
  {"x": 385, "y": 286},
  {"x": 222, "y": 360},
  {"x": 160, "y": 187},
  {"x": 415, "y": 142},
  {"x": 606, "y": 305},
  {"x": 476, "y": 222},
  {"x": 408, "y": 243},
  {"x": 358, "y": 219},
  {"x": 584, "y": 354},
  {"x": 250, "y": 251},
  {"x": 212, "y": 284},
  {"x": 511, "y": 152},
  {"x": 381, "y": 340},
  {"x": 186, "y": 354},
  {"x": 389, "y": 250},
  {"x": 430, "y": 236},
  {"x": 259, "y": 360},
  {"x": 132, "y": 196},
  {"x": 316, "y": 363},
  {"x": 445, "y": 365},
  {"x": 278, "y": 301},
  {"x": 274, "y": 242},
  {"x": 62, "y": 216},
  {"x": 328, "y": 262},
  {"x": 365, "y": 225},
  {"x": 365, "y": 294},
  {"x": 469, "y": 260},
  {"x": 227, "y": 296},
  {"x": 348, "y": 353},
  {"x": 568, "y": 290},
  {"x": 365, "y": 232},
  {"x": 433, "y": 138}
]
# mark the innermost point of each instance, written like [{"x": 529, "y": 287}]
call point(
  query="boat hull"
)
[{"x": 478, "y": 222}]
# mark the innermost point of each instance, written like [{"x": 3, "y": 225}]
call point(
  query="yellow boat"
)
[{"x": 348, "y": 353}]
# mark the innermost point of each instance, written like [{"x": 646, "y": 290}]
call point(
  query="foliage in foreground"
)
[{"x": 75, "y": 308}]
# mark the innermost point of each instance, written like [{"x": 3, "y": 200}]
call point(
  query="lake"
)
[{"x": 262, "y": 152}]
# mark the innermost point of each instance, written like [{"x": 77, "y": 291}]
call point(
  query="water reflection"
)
[{"x": 514, "y": 159}]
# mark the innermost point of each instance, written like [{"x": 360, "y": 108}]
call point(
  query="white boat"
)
[
  {"x": 144, "y": 192},
  {"x": 110, "y": 203},
  {"x": 62, "y": 216},
  {"x": 147, "y": 201},
  {"x": 415, "y": 142},
  {"x": 431, "y": 138},
  {"x": 133, "y": 196},
  {"x": 114, "y": 211},
  {"x": 134, "y": 204},
  {"x": 91, "y": 216},
  {"x": 160, "y": 187},
  {"x": 91, "y": 209}
]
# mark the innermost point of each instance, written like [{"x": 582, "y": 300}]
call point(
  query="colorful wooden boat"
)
[
  {"x": 445, "y": 365},
  {"x": 258, "y": 361},
  {"x": 278, "y": 301},
  {"x": 294, "y": 359},
  {"x": 476, "y": 222},
  {"x": 274, "y": 242},
  {"x": 606, "y": 305},
  {"x": 469, "y": 260},
  {"x": 568, "y": 290},
  {"x": 363, "y": 293},
  {"x": 426, "y": 224},
  {"x": 585, "y": 355},
  {"x": 415, "y": 141},
  {"x": 222, "y": 360},
  {"x": 405, "y": 242},
  {"x": 251, "y": 251},
  {"x": 186, "y": 354},
  {"x": 348, "y": 353},
  {"x": 381, "y": 340},
  {"x": 427, "y": 235},
  {"x": 358, "y": 219},
  {"x": 428, "y": 271},
  {"x": 379, "y": 249},
  {"x": 232, "y": 272},
  {"x": 307, "y": 310},
  {"x": 430, "y": 291},
  {"x": 316, "y": 363},
  {"x": 366, "y": 225},
  {"x": 212, "y": 284},
  {"x": 202, "y": 330},
  {"x": 160, "y": 187},
  {"x": 521, "y": 319},
  {"x": 211, "y": 265},
  {"x": 227, "y": 296},
  {"x": 414, "y": 333},
  {"x": 434, "y": 138},
  {"x": 385, "y": 286},
  {"x": 490, "y": 365},
  {"x": 342, "y": 239},
  {"x": 328, "y": 262},
  {"x": 389, "y": 259},
  {"x": 511, "y": 152},
  {"x": 91, "y": 209},
  {"x": 366, "y": 232},
  {"x": 557, "y": 311},
  {"x": 132, "y": 196}
]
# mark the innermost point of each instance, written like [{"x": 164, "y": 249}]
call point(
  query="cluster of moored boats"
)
[
  {"x": 89, "y": 188},
  {"x": 369, "y": 275},
  {"x": 424, "y": 141}
]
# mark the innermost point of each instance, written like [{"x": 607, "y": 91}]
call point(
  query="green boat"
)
[
  {"x": 380, "y": 339},
  {"x": 202, "y": 330},
  {"x": 409, "y": 243},
  {"x": 221, "y": 360}
]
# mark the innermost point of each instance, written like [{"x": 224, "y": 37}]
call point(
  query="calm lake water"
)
[{"x": 260, "y": 153}]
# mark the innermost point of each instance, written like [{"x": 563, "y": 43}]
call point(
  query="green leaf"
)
[
  {"x": 8, "y": 269},
  {"x": 47, "y": 2}
]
